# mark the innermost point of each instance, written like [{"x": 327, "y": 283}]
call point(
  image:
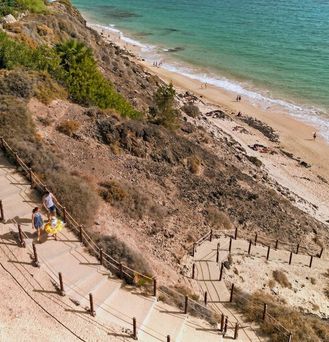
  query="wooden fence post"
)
[
  {"x": 225, "y": 326},
  {"x": 311, "y": 261},
  {"x": 154, "y": 287},
  {"x": 236, "y": 330},
  {"x": 206, "y": 298},
  {"x": 222, "y": 323},
  {"x": 268, "y": 252},
  {"x": 249, "y": 248},
  {"x": 64, "y": 214},
  {"x": 91, "y": 302},
  {"x": 256, "y": 237},
  {"x": 290, "y": 258},
  {"x": 297, "y": 248},
  {"x": 230, "y": 245},
  {"x": 236, "y": 233},
  {"x": 186, "y": 305},
  {"x": 264, "y": 311},
  {"x": 290, "y": 337},
  {"x": 321, "y": 252},
  {"x": 193, "y": 250},
  {"x": 80, "y": 234},
  {"x": 168, "y": 338},
  {"x": 134, "y": 329},
  {"x": 231, "y": 294},
  {"x": 2, "y": 215},
  {"x": 20, "y": 236},
  {"x": 193, "y": 270},
  {"x": 2, "y": 143},
  {"x": 121, "y": 270},
  {"x": 276, "y": 244},
  {"x": 31, "y": 178},
  {"x": 61, "y": 284},
  {"x": 217, "y": 255},
  {"x": 221, "y": 271},
  {"x": 35, "y": 256},
  {"x": 210, "y": 236},
  {"x": 101, "y": 256}
]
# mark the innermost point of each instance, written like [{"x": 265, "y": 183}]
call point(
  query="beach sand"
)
[{"x": 310, "y": 185}]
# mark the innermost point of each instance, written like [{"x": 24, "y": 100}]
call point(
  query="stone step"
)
[
  {"x": 162, "y": 321},
  {"x": 120, "y": 309},
  {"x": 101, "y": 291},
  {"x": 70, "y": 268},
  {"x": 196, "y": 330}
]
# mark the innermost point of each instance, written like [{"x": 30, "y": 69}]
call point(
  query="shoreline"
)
[{"x": 295, "y": 136}]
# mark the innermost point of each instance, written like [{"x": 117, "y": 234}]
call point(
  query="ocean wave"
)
[
  {"x": 153, "y": 53},
  {"x": 310, "y": 115}
]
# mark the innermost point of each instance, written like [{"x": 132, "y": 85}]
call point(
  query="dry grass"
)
[
  {"x": 281, "y": 278},
  {"x": 176, "y": 297},
  {"x": 68, "y": 127},
  {"x": 194, "y": 164},
  {"x": 218, "y": 219},
  {"x": 303, "y": 328},
  {"x": 132, "y": 201}
]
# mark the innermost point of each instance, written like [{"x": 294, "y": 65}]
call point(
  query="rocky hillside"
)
[{"x": 156, "y": 189}]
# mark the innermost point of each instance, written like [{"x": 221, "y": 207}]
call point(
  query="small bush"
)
[
  {"x": 326, "y": 291},
  {"x": 16, "y": 83},
  {"x": 191, "y": 110},
  {"x": 112, "y": 192},
  {"x": 281, "y": 278},
  {"x": 68, "y": 127},
  {"x": 130, "y": 200},
  {"x": 194, "y": 164},
  {"x": 119, "y": 250},
  {"x": 218, "y": 219}
]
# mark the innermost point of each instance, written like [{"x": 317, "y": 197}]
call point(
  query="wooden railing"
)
[{"x": 189, "y": 305}]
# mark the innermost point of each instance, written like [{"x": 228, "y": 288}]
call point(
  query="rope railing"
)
[
  {"x": 124, "y": 270},
  {"x": 71, "y": 222},
  {"x": 36, "y": 182},
  {"x": 263, "y": 240}
]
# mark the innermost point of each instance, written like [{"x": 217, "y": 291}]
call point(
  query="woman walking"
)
[{"x": 37, "y": 221}]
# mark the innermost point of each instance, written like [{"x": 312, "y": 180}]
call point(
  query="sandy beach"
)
[{"x": 310, "y": 185}]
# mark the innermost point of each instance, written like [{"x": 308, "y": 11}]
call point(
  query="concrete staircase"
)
[{"x": 114, "y": 304}]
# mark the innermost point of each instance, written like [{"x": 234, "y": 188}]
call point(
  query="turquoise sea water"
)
[{"x": 273, "y": 49}]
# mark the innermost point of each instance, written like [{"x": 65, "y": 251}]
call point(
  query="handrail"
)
[
  {"x": 36, "y": 181},
  {"x": 72, "y": 222}
]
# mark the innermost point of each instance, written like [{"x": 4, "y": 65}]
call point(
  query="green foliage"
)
[
  {"x": 72, "y": 64},
  {"x": 85, "y": 82},
  {"x": 16, "y": 6},
  {"x": 165, "y": 113}
]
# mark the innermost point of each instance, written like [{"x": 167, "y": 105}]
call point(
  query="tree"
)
[{"x": 165, "y": 112}]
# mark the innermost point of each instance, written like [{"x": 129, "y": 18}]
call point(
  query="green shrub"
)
[
  {"x": 35, "y": 6},
  {"x": 84, "y": 81},
  {"x": 164, "y": 112}
]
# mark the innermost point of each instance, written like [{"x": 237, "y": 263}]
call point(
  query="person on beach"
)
[
  {"x": 314, "y": 135},
  {"x": 37, "y": 221},
  {"x": 48, "y": 203},
  {"x": 237, "y": 98}
]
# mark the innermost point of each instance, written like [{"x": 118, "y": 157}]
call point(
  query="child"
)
[
  {"x": 54, "y": 226},
  {"x": 37, "y": 221}
]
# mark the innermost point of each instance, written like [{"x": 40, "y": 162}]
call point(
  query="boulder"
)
[{"x": 8, "y": 19}]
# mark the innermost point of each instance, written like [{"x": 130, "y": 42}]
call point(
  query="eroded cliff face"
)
[{"x": 158, "y": 190}]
